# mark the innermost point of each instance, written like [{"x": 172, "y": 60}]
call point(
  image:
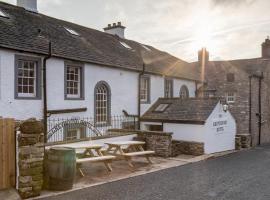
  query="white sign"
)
[{"x": 219, "y": 125}]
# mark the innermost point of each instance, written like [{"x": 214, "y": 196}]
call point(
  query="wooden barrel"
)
[{"x": 61, "y": 168}]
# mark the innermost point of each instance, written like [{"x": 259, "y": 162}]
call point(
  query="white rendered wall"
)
[
  {"x": 213, "y": 141},
  {"x": 157, "y": 89},
  {"x": 225, "y": 140},
  {"x": 186, "y": 132},
  {"x": 123, "y": 86},
  {"x": 9, "y": 106}
]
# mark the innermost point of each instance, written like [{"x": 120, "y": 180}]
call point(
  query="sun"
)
[{"x": 203, "y": 33}]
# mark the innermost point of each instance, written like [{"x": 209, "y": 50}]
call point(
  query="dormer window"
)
[
  {"x": 146, "y": 48},
  {"x": 162, "y": 107},
  {"x": 125, "y": 45},
  {"x": 2, "y": 14},
  {"x": 71, "y": 31}
]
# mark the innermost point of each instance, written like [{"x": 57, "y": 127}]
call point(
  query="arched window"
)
[
  {"x": 184, "y": 93},
  {"x": 102, "y": 103}
]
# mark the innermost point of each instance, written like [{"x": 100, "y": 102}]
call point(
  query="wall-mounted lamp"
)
[{"x": 225, "y": 107}]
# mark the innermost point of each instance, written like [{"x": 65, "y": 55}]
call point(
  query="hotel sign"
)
[{"x": 219, "y": 125}]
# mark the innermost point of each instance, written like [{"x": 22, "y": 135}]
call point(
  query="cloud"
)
[{"x": 237, "y": 27}]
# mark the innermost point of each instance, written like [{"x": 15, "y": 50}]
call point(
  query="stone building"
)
[{"x": 244, "y": 84}]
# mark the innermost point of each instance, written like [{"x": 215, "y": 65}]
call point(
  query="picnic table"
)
[
  {"x": 92, "y": 153},
  {"x": 128, "y": 149}
]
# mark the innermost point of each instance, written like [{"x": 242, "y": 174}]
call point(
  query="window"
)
[
  {"x": 230, "y": 97},
  {"x": 184, "y": 93},
  {"x": 2, "y": 14},
  {"x": 74, "y": 131},
  {"x": 125, "y": 45},
  {"x": 71, "y": 31},
  {"x": 168, "y": 88},
  {"x": 146, "y": 48},
  {"x": 161, "y": 107},
  {"x": 27, "y": 80},
  {"x": 102, "y": 103},
  {"x": 155, "y": 128},
  {"x": 145, "y": 89},
  {"x": 230, "y": 77},
  {"x": 74, "y": 81}
]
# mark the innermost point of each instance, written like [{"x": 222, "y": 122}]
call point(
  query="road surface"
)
[{"x": 239, "y": 176}]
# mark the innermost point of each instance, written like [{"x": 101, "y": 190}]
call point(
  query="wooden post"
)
[{"x": 7, "y": 153}]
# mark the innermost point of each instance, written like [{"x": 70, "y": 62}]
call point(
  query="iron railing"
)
[{"x": 71, "y": 129}]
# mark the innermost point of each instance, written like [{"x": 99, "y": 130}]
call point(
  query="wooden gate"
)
[{"x": 7, "y": 153}]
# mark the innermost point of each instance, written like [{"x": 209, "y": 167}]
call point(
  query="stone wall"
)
[
  {"x": 160, "y": 142},
  {"x": 186, "y": 147},
  {"x": 244, "y": 141},
  {"x": 31, "y": 153}
]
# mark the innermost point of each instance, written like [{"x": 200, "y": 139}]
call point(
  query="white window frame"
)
[
  {"x": 168, "y": 88},
  {"x": 145, "y": 89},
  {"x": 70, "y": 69},
  {"x": 23, "y": 77},
  {"x": 230, "y": 97},
  {"x": 34, "y": 77}
]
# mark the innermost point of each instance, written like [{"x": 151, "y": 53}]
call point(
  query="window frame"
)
[
  {"x": 186, "y": 89},
  {"x": 108, "y": 121},
  {"x": 230, "y": 96},
  {"x": 230, "y": 77},
  {"x": 166, "y": 80},
  {"x": 148, "y": 92},
  {"x": 37, "y": 87},
  {"x": 81, "y": 85}
]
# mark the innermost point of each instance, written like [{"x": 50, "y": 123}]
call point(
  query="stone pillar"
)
[
  {"x": 31, "y": 153},
  {"x": 245, "y": 140},
  {"x": 160, "y": 142}
]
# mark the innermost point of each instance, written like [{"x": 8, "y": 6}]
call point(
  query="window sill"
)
[
  {"x": 74, "y": 98},
  {"x": 27, "y": 98}
]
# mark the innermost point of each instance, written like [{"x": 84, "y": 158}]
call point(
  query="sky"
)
[{"x": 229, "y": 29}]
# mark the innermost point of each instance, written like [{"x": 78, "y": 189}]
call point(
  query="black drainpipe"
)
[
  {"x": 45, "y": 109},
  {"x": 250, "y": 105},
  {"x": 260, "y": 107},
  {"x": 139, "y": 97}
]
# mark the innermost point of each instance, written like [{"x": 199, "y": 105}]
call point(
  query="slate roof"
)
[
  {"x": 187, "y": 111},
  {"x": 253, "y": 66},
  {"x": 29, "y": 32}
]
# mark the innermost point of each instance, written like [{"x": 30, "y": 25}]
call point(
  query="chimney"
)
[
  {"x": 266, "y": 48},
  {"x": 116, "y": 29},
  {"x": 30, "y": 5},
  {"x": 203, "y": 56},
  {"x": 203, "y": 59}
]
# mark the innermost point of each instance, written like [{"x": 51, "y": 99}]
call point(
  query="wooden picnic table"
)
[
  {"x": 92, "y": 153},
  {"x": 128, "y": 149}
]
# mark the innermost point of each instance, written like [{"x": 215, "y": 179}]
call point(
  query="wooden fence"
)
[{"x": 7, "y": 153}]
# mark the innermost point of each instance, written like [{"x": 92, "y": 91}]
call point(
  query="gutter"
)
[
  {"x": 139, "y": 96},
  {"x": 45, "y": 107}
]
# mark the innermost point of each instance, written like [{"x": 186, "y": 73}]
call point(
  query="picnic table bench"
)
[
  {"x": 92, "y": 153},
  {"x": 128, "y": 150}
]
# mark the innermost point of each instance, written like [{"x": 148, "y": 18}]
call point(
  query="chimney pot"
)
[
  {"x": 116, "y": 29},
  {"x": 30, "y": 5},
  {"x": 266, "y": 48}
]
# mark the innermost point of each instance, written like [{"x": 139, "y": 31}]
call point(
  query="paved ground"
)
[{"x": 239, "y": 176}]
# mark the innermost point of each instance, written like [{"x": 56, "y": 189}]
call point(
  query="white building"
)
[
  {"x": 89, "y": 73},
  {"x": 194, "y": 120}
]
